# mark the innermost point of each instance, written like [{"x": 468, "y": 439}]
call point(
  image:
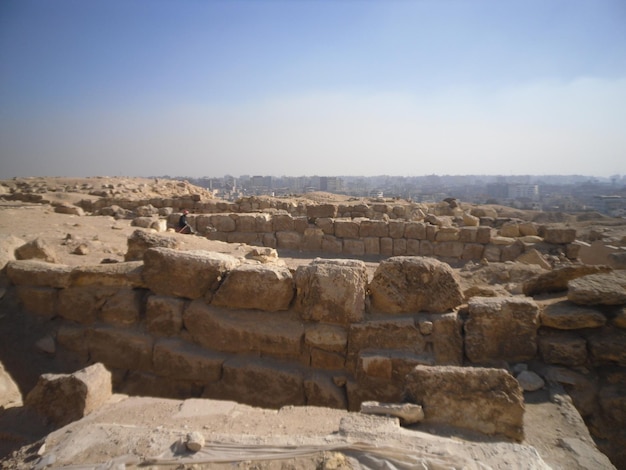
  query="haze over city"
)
[{"x": 312, "y": 87}]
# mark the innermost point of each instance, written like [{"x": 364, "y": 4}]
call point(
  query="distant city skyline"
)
[{"x": 312, "y": 88}]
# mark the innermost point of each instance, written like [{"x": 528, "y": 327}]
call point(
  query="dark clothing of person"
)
[{"x": 182, "y": 222}]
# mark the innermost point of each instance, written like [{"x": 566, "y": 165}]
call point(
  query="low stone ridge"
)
[
  {"x": 414, "y": 284},
  {"x": 64, "y": 398},
  {"x": 486, "y": 400}
]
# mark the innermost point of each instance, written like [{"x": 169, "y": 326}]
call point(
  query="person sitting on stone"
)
[{"x": 183, "y": 225}]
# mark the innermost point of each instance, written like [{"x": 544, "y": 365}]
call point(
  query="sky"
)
[{"x": 291, "y": 88}]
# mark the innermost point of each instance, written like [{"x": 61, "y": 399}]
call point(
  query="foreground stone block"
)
[
  {"x": 559, "y": 235},
  {"x": 408, "y": 413},
  {"x": 268, "y": 288},
  {"x": 164, "y": 315},
  {"x": 83, "y": 304},
  {"x": 598, "y": 289},
  {"x": 38, "y": 273},
  {"x": 331, "y": 291},
  {"x": 115, "y": 274},
  {"x": 563, "y": 348},
  {"x": 413, "y": 284},
  {"x": 37, "y": 249},
  {"x": 489, "y": 401},
  {"x": 63, "y": 398},
  {"x": 189, "y": 274},
  {"x": 569, "y": 316},
  {"x": 180, "y": 360},
  {"x": 10, "y": 395},
  {"x": 123, "y": 308},
  {"x": 501, "y": 328},
  {"x": 141, "y": 240},
  {"x": 120, "y": 349},
  {"x": 39, "y": 300},
  {"x": 608, "y": 346}
]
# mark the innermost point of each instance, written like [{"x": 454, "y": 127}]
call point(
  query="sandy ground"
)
[{"x": 145, "y": 431}]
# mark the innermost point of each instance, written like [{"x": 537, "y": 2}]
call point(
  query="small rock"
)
[
  {"x": 46, "y": 345},
  {"x": 529, "y": 381},
  {"x": 408, "y": 413},
  {"x": 426, "y": 327},
  {"x": 518, "y": 368},
  {"x": 194, "y": 441},
  {"x": 81, "y": 249}
]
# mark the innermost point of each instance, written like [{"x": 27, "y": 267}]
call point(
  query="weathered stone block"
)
[
  {"x": 180, "y": 360},
  {"x": 321, "y": 210},
  {"x": 164, "y": 315},
  {"x": 326, "y": 337},
  {"x": 63, "y": 398},
  {"x": 244, "y": 222},
  {"x": 141, "y": 240},
  {"x": 353, "y": 247},
  {"x": 473, "y": 251},
  {"x": 373, "y": 228},
  {"x": 283, "y": 223},
  {"x": 489, "y": 329},
  {"x": 320, "y": 390},
  {"x": 39, "y": 300},
  {"x": 372, "y": 245},
  {"x": 569, "y": 316},
  {"x": 123, "y": 308},
  {"x": 598, "y": 289},
  {"x": 492, "y": 253},
  {"x": 331, "y": 244},
  {"x": 248, "y": 238},
  {"x": 255, "y": 332},
  {"x": 386, "y": 246},
  {"x": 449, "y": 249},
  {"x": 559, "y": 235},
  {"x": 120, "y": 349},
  {"x": 288, "y": 240},
  {"x": 38, "y": 273},
  {"x": 326, "y": 224},
  {"x": 82, "y": 304},
  {"x": 197, "y": 273},
  {"x": 415, "y": 230},
  {"x": 321, "y": 359},
  {"x": 223, "y": 222},
  {"x": 126, "y": 274},
  {"x": 261, "y": 287},
  {"x": 413, "y": 284},
  {"x": 399, "y": 246},
  {"x": 563, "y": 348},
  {"x": 483, "y": 235},
  {"x": 489, "y": 401},
  {"x": 346, "y": 228},
  {"x": 312, "y": 239},
  {"x": 412, "y": 247},
  {"x": 396, "y": 228},
  {"x": 331, "y": 291},
  {"x": 608, "y": 346}
]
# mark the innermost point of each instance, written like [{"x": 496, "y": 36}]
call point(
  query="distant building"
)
[
  {"x": 611, "y": 205},
  {"x": 523, "y": 191}
]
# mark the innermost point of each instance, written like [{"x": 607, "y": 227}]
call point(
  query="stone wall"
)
[
  {"x": 434, "y": 237},
  {"x": 207, "y": 324}
]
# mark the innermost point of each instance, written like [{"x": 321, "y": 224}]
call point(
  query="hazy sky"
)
[{"x": 207, "y": 88}]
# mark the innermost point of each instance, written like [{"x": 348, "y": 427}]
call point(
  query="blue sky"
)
[{"x": 207, "y": 88}]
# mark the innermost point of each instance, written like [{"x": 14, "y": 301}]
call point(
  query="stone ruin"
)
[{"x": 204, "y": 324}]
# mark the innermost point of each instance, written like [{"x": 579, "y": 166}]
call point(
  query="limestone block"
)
[
  {"x": 353, "y": 247},
  {"x": 321, "y": 210},
  {"x": 557, "y": 279},
  {"x": 415, "y": 230},
  {"x": 320, "y": 390},
  {"x": 412, "y": 247},
  {"x": 572, "y": 250},
  {"x": 164, "y": 315},
  {"x": 283, "y": 223},
  {"x": 608, "y": 346},
  {"x": 73, "y": 338},
  {"x": 532, "y": 256},
  {"x": 326, "y": 224},
  {"x": 143, "y": 222},
  {"x": 598, "y": 289},
  {"x": 269, "y": 240},
  {"x": 327, "y": 360},
  {"x": 447, "y": 234},
  {"x": 483, "y": 235},
  {"x": 254, "y": 332},
  {"x": 37, "y": 249},
  {"x": 63, "y": 398},
  {"x": 531, "y": 239},
  {"x": 10, "y": 395},
  {"x": 559, "y": 235},
  {"x": 511, "y": 252},
  {"x": 489, "y": 401},
  {"x": 563, "y": 348},
  {"x": 83, "y": 304},
  {"x": 473, "y": 251},
  {"x": 262, "y": 287},
  {"x": 394, "y": 333},
  {"x": 262, "y": 383},
  {"x": 189, "y": 274},
  {"x": 142, "y": 240},
  {"x": 128, "y": 274},
  {"x": 120, "y": 349},
  {"x": 300, "y": 224},
  {"x": 431, "y": 232},
  {"x": 396, "y": 228},
  {"x": 346, "y": 228},
  {"x": 288, "y": 240},
  {"x": 373, "y": 389},
  {"x": 449, "y": 249},
  {"x": 530, "y": 381},
  {"x": 469, "y": 220},
  {"x": 509, "y": 229},
  {"x": 38, "y": 273},
  {"x": 244, "y": 222},
  {"x": 160, "y": 225},
  {"x": 123, "y": 308},
  {"x": 615, "y": 260},
  {"x": 386, "y": 246},
  {"x": 223, "y": 223},
  {"x": 399, "y": 246},
  {"x": 203, "y": 223},
  {"x": 326, "y": 337},
  {"x": 528, "y": 229},
  {"x": 178, "y": 359},
  {"x": 8, "y": 244},
  {"x": 407, "y": 413},
  {"x": 412, "y": 284},
  {"x": 492, "y": 253},
  {"x": 468, "y": 234},
  {"x": 501, "y": 328},
  {"x": 248, "y": 238},
  {"x": 446, "y": 337},
  {"x": 427, "y": 248},
  {"x": 373, "y": 228},
  {"x": 331, "y": 291},
  {"x": 312, "y": 239},
  {"x": 372, "y": 245},
  {"x": 39, "y": 300},
  {"x": 263, "y": 223},
  {"x": 569, "y": 316},
  {"x": 612, "y": 399},
  {"x": 331, "y": 244}
]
